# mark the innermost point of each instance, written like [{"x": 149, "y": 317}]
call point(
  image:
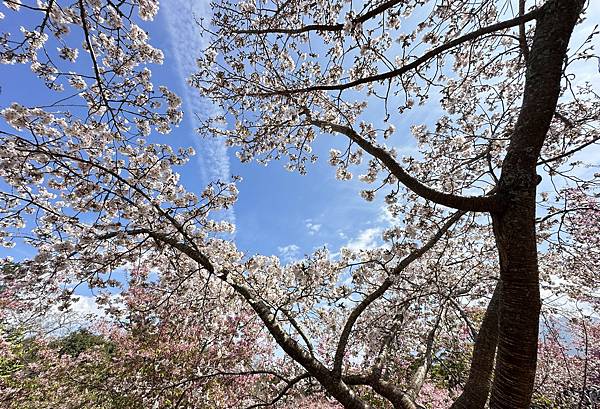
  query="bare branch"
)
[
  {"x": 419, "y": 61},
  {"x": 322, "y": 27}
]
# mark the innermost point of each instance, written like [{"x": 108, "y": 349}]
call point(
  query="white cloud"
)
[
  {"x": 371, "y": 237},
  {"x": 187, "y": 45},
  {"x": 313, "y": 228},
  {"x": 367, "y": 239},
  {"x": 80, "y": 314},
  {"x": 386, "y": 217},
  {"x": 85, "y": 306},
  {"x": 289, "y": 253}
]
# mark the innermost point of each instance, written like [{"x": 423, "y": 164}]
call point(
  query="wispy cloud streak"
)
[{"x": 187, "y": 44}]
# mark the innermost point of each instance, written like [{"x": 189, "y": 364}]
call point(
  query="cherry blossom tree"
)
[
  {"x": 567, "y": 373},
  {"x": 286, "y": 71},
  {"x": 198, "y": 322}
]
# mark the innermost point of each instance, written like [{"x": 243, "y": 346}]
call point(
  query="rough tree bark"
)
[
  {"x": 477, "y": 388},
  {"x": 514, "y": 228}
]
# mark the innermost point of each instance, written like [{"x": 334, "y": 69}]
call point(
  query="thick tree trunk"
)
[
  {"x": 514, "y": 228},
  {"x": 477, "y": 388},
  {"x": 519, "y": 309}
]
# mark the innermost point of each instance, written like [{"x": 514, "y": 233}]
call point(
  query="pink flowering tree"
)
[{"x": 445, "y": 314}]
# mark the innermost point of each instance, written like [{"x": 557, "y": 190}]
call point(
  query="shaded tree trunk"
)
[
  {"x": 514, "y": 228},
  {"x": 477, "y": 389}
]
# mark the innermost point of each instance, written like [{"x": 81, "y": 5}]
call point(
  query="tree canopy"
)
[{"x": 483, "y": 293}]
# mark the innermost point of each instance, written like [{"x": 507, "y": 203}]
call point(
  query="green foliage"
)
[
  {"x": 9, "y": 271},
  {"x": 82, "y": 340},
  {"x": 539, "y": 401},
  {"x": 451, "y": 368},
  {"x": 13, "y": 359},
  {"x": 17, "y": 355}
]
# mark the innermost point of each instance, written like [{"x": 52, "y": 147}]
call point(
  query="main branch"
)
[{"x": 491, "y": 203}]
